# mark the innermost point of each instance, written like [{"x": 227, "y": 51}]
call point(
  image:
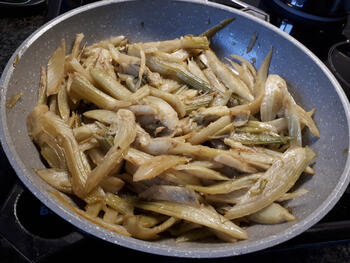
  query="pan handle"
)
[
  {"x": 249, "y": 9},
  {"x": 31, "y": 247},
  {"x": 53, "y": 8}
]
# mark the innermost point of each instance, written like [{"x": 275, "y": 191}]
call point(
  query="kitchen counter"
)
[{"x": 13, "y": 30}]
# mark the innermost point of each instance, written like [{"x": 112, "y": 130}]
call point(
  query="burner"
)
[
  {"x": 318, "y": 33},
  {"x": 40, "y": 221},
  {"x": 31, "y": 228},
  {"x": 320, "y": 8},
  {"x": 339, "y": 63},
  {"x": 20, "y": 3},
  {"x": 303, "y": 13}
]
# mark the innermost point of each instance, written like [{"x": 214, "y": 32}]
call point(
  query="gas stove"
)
[{"x": 38, "y": 235}]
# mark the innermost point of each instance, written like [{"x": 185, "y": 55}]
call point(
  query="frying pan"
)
[{"x": 309, "y": 80}]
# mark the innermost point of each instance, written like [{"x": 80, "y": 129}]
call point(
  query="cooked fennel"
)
[{"x": 166, "y": 138}]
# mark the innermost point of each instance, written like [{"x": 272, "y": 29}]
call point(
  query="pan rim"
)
[{"x": 151, "y": 247}]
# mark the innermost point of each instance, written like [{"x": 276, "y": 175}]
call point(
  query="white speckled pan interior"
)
[{"x": 310, "y": 82}]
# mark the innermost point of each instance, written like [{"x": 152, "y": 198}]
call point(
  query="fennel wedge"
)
[
  {"x": 281, "y": 176},
  {"x": 203, "y": 216}
]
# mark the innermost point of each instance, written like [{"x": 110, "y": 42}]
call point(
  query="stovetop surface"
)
[{"x": 52, "y": 240}]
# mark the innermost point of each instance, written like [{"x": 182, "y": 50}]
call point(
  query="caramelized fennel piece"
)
[
  {"x": 226, "y": 187},
  {"x": 156, "y": 166},
  {"x": 83, "y": 89},
  {"x": 110, "y": 85},
  {"x": 75, "y": 66},
  {"x": 140, "y": 110},
  {"x": 55, "y": 69},
  {"x": 141, "y": 69},
  {"x": 42, "y": 121},
  {"x": 180, "y": 178},
  {"x": 84, "y": 132},
  {"x": 244, "y": 73},
  {"x": 165, "y": 113},
  {"x": 272, "y": 214},
  {"x": 185, "y": 42},
  {"x": 273, "y": 97},
  {"x": 171, "y": 99},
  {"x": 201, "y": 172},
  {"x": 104, "y": 116},
  {"x": 125, "y": 135},
  {"x": 63, "y": 199},
  {"x": 94, "y": 208},
  {"x": 42, "y": 97},
  {"x": 204, "y": 134},
  {"x": 176, "y": 71},
  {"x": 202, "y": 215},
  {"x": 259, "y": 154},
  {"x": 276, "y": 97},
  {"x": 112, "y": 184},
  {"x": 115, "y": 41},
  {"x": 292, "y": 195},
  {"x": 257, "y": 139},
  {"x": 226, "y": 76},
  {"x": 213, "y": 80},
  {"x": 57, "y": 178},
  {"x": 306, "y": 119},
  {"x": 122, "y": 205},
  {"x": 51, "y": 151},
  {"x": 294, "y": 127},
  {"x": 195, "y": 69},
  {"x": 111, "y": 216},
  {"x": 76, "y": 46},
  {"x": 172, "y": 146},
  {"x": 63, "y": 103},
  {"x": 170, "y": 193},
  {"x": 259, "y": 88},
  {"x": 177, "y": 56},
  {"x": 137, "y": 157},
  {"x": 151, "y": 220},
  {"x": 281, "y": 176},
  {"x": 213, "y": 30},
  {"x": 13, "y": 100},
  {"x": 246, "y": 62},
  {"x": 134, "y": 227}
]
